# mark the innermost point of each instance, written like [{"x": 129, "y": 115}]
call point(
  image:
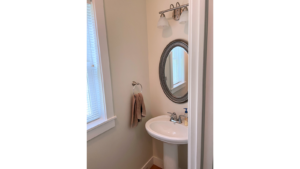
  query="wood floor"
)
[{"x": 155, "y": 167}]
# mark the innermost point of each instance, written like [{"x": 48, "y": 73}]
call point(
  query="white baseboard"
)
[
  {"x": 148, "y": 164},
  {"x": 158, "y": 162},
  {"x": 154, "y": 160}
]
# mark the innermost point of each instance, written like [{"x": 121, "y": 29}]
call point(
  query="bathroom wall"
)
[
  {"x": 123, "y": 147},
  {"x": 157, "y": 40}
]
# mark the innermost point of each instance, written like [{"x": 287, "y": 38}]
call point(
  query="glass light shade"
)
[
  {"x": 163, "y": 22},
  {"x": 184, "y": 17}
]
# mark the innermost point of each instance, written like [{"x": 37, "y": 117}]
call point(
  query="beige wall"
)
[
  {"x": 157, "y": 40},
  {"x": 121, "y": 146}
]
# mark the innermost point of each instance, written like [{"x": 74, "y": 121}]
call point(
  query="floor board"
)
[{"x": 155, "y": 167}]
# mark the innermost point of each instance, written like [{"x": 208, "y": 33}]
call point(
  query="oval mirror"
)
[{"x": 173, "y": 71}]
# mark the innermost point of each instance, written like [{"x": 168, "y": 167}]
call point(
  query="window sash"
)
[
  {"x": 178, "y": 65},
  {"x": 95, "y": 94}
]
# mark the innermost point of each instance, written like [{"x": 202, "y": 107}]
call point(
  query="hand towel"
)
[
  {"x": 143, "y": 108},
  {"x": 138, "y": 109},
  {"x": 134, "y": 119}
]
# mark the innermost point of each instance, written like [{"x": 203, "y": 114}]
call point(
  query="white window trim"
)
[
  {"x": 196, "y": 26},
  {"x": 107, "y": 122},
  {"x": 178, "y": 86},
  {"x": 99, "y": 126}
]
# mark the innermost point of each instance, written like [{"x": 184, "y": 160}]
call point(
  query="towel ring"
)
[{"x": 134, "y": 84}]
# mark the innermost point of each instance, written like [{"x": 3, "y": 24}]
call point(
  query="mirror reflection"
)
[{"x": 176, "y": 71}]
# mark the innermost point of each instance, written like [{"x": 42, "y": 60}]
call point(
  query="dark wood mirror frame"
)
[{"x": 162, "y": 63}]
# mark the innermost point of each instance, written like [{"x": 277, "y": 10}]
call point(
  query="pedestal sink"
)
[{"x": 171, "y": 134}]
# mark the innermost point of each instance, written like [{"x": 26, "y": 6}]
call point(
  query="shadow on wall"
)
[
  {"x": 186, "y": 28},
  {"x": 167, "y": 32},
  {"x": 182, "y": 152}
]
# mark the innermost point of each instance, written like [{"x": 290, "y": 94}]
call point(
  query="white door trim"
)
[{"x": 196, "y": 72}]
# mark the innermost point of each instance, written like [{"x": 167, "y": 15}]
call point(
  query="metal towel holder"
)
[{"x": 134, "y": 84}]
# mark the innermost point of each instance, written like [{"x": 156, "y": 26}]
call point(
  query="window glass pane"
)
[
  {"x": 175, "y": 72},
  {"x": 178, "y": 65},
  {"x": 95, "y": 96},
  {"x": 88, "y": 102}
]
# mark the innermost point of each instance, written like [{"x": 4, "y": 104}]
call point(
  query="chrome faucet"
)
[
  {"x": 179, "y": 119},
  {"x": 174, "y": 118}
]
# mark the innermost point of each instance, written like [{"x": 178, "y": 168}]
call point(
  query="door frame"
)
[{"x": 196, "y": 97}]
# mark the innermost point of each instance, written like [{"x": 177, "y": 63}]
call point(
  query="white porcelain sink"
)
[
  {"x": 171, "y": 134},
  {"x": 164, "y": 130}
]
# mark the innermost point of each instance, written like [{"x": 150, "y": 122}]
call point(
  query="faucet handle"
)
[
  {"x": 173, "y": 116},
  {"x": 179, "y": 119},
  {"x": 172, "y": 113}
]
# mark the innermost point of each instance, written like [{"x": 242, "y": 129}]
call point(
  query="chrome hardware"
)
[
  {"x": 174, "y": 118},
  {"x": 134, "y": 84},
  {"x": 179, "y": 119},
  {"x": 172, "y": 8},
  {"x": 177, "y": 12}
]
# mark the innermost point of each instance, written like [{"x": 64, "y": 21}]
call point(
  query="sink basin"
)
[
  {"x": 171, "y": 134},
  {"x": 164, "y": 130}
]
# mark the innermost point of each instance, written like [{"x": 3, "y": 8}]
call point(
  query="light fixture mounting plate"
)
[{"x": 176, "y": 14}]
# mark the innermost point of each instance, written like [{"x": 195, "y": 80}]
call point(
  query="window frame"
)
[
  {"x": 96, "y": 127},
  {"x": 175, "y": 87}
]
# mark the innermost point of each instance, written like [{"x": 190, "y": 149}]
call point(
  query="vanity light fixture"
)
[
  {"x": 184, "y": 16},
  {"x": 162, "y": 22},
  {"x": 180, "y": 13}
]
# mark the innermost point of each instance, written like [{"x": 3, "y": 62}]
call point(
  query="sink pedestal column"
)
[{"x": 170, "y": 156}]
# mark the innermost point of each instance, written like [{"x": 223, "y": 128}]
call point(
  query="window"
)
[
  {"x": 95, "y": 96},
  {"x": 177, "y": 69},
  {"x": 178, "y": 65},
  {"x": 100, "y": 114}
]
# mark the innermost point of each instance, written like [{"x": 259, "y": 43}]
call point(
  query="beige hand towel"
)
[
  {"x": 138, "y": 109},
  {"x": 135, "y": 114},
  {"x": 132, "y": 111},
  {"x": 143, "y": 108}
]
